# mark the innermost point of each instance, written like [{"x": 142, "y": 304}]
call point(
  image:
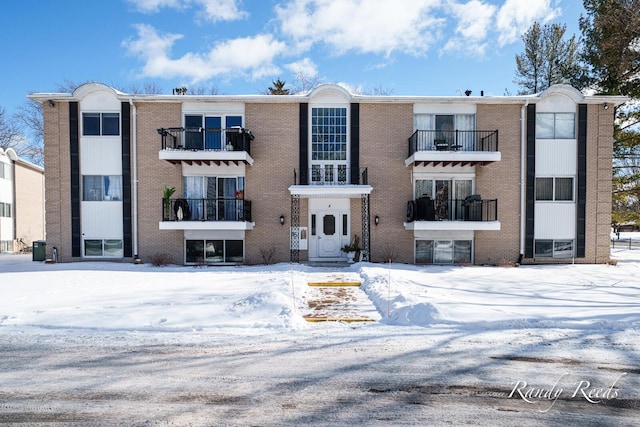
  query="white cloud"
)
[
  {"x": 364, "y": 26},
  {"x": 152, "y": 6},
  {"x": 516, "y": 16},
  {"x": 214, "y": 10},
  {"x": 304, "y": 66},
  {"x": 250, "y": 56},
  {"x": 474, "y": 20}
]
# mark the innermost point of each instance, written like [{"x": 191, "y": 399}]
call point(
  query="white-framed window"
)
[
  {"x": 5, "y": 210},
  {"x": 329, "y": 145},
  {"x": 555, "y": 125},
  {"x": 108, "y": 248},
  {"x": 214, "y": 251},
  {"x": 209, "y": 131},
  {"x": 554, "y": 189},
  {"x": 446, "y": 194},
  {"x": 105, "y": 124},
  {"x": 5, "y": 170},
  {"x": 97, "y": 188},
  {"x": 547, "y": 248},
  {"x": 442, "y": 251},
  {"x": 214, "y": 198}
]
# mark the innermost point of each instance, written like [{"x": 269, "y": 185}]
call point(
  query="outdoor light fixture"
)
[
  {"x": 281, "y": 219},
  {"x": 606, "y": 106},
  {"x": 51, "y": 103},
  {"x": 376, "y": 220}
]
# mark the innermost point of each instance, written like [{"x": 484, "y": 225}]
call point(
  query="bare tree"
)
[
  {"x": 303, "y": 82},
  {"x": 10, "y": 134},
  {"x": 30, "y": 117}
]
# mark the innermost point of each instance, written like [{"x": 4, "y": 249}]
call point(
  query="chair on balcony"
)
[{"x": 441, "y": 144}]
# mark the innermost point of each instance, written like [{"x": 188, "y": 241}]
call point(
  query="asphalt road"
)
[{"x": 417, "y": 378}]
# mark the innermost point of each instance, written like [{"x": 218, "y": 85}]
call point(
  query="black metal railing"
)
[
  {"x": 218, "y": 209},
  {"x": 454, "y": 140},
  {"x": 331, "y": 175},
  {"x": 469, "y": 209},
  {"x": 210, "y": 139}
]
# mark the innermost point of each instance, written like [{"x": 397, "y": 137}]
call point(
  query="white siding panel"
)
[
  {"x": 465, "y": 108},
  {"x": 555, "y": 221},
  {"x": 556, "y": 157},
  {"x": 101, "y": 220},
  {"x": 556, "y": 103},
  {"x": 213, "y": 108},
  {"x": 100, "y": 156},
  {"x": 102, "y": 101},
  {"x": 222, "y": 170}
]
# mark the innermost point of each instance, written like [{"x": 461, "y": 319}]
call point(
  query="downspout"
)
[
  {"x": 523, "y": 177},
  {"x": 134, "y": 178}
]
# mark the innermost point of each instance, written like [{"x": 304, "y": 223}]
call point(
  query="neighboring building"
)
[
  {"x": 425, "y": 180},
  {"x": 21, "y": 202}
]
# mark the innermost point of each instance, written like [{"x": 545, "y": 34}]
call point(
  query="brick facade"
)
[{"x": 385, "y": 124}]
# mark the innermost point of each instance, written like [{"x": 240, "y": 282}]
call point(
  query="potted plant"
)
[
  {"x": 353, "y": 249},
  {"x": 166, "y": 197}
]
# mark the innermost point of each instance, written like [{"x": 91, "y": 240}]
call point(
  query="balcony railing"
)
[
  {"x": 218, "y": 209},
  {"x": 455, "y": 140},
  {"x": 331, "y": 175},
  {"x": 211, "y": 139},
  {"x": 471, "y": 208}
]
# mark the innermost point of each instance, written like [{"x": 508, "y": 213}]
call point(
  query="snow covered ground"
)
[
  {"x": 261, "y": 299},
  {"x": 455, "y": 333}
]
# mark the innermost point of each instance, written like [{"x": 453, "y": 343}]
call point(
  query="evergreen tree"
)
[
  {"x": 548, "y": 59},
  {"x": 278, "y": 88},
  {"x": 611, "y": 53}
]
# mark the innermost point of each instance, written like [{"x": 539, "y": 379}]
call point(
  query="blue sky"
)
[{"x": 407, "y": 47}]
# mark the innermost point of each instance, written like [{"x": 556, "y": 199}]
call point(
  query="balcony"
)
[
  {"x": 331, "y": 180},
  {"x": 471, "y": 213},
  {"x": 206, "y": 145},
  {"x": 206, "y": 214},
  {"x": 451, "y": 148}
]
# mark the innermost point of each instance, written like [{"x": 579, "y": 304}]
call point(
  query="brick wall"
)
[
  {"x": 153, "y": 174},
  {"x": 57, "y": 166},
  {"x": 501, "y": 181},
  {"x": 276, "y": 155},
  {"x": 384, "y": 131},
  {"x": 599, "y": 183}
]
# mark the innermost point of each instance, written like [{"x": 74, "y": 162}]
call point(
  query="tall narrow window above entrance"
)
[{"x": 329, "y": 145}]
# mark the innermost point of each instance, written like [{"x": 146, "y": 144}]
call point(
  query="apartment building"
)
[
  {"x": 21, "y": 202},
  {"x": 248, "y": 179}
]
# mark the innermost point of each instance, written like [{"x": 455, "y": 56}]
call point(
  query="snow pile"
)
[{"x": 253, "y": 300}]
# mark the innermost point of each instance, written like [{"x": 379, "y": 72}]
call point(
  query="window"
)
[
  {"x": 213, "y": 198},
  {"x": 555, "y": 125},
  {"x": 329, "y": 145},
  {"x": 5, "y": 170},
  {"x": 100, "y": 124},
  {"x": 447, "y": 196},
  {"x": 212, "y": 134},
  {"x": 103, "y": 248},
  {"x": 443, "y": 251},
  {"x": 5, "y": 210},
  {"x": 553, "y": 249},
  {"x": 97, "y": 188},
  {"x": 214, "y": 251},
  {"x": 6, "y": 245},
  {"x": 558, "y": 189}
]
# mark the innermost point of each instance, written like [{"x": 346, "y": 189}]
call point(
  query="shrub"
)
[
  {"x": 268, "y": 254},
  {"x": 161, "y": 259}
]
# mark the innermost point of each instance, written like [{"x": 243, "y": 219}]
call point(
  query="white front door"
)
[{"x": 329, "y": 234}]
